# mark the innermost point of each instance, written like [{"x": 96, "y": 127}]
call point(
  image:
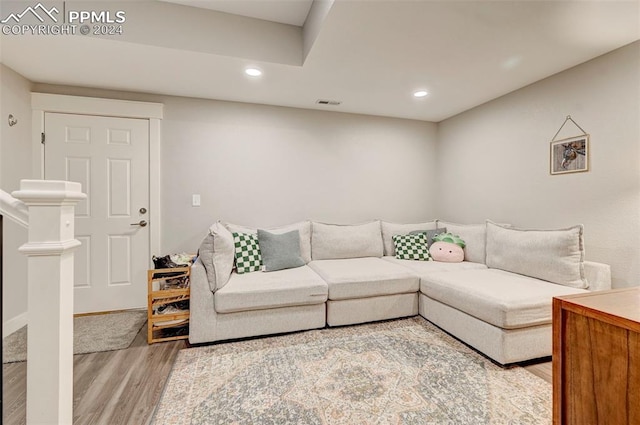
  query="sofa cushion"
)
[
  {"x": 425, "y": 267},
  {"x": 411, "y": 247},
  {"x": 217, "y": 253},
  {"x": 280, "y": 251},
  {"x": 553, "y": 255},
  {"x": 390, "y": 229},
  {"x": 304, "y": 227},
  {"x": 474, "y": 236},
  {"x": 364, "y": 277},
  {"x": 248, "y": 256},
  {"x": 503, "y": 299},
  {"x": 334, "y": 241},
  {"x": 283, "y": 288}
]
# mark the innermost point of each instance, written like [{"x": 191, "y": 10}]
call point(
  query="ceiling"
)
[
  {"x": 292, "y": 12},
  {"x": 369, "y": 54}
]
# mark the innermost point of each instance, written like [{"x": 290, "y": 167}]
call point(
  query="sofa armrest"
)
[
  {"x": 598, "y": 275},
  {"x": 202, "y": 314}
]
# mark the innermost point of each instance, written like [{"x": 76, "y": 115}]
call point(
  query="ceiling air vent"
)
[{"x": 328, "y": 102}]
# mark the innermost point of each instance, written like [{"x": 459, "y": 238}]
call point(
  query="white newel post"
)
[{"x": 50, "y": 248}]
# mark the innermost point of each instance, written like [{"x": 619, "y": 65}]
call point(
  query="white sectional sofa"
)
[{"x": 498, "y": 300}]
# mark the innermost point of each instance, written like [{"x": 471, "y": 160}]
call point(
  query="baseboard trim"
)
[{"x": 13, "y": 324}]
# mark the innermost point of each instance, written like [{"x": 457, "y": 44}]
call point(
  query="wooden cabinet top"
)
[{"x": 619, "y": 307}]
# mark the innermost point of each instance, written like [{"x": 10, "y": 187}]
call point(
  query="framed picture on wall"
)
[{"x": 570, "y": 155}]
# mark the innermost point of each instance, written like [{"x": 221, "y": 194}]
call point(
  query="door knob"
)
[{"x": 141, "y": 223}]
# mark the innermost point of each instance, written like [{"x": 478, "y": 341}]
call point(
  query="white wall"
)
[
  {"x": 15, "y": 164},
  {"x": 493, "y": 160},
  {"x": 264, "y": 166}
]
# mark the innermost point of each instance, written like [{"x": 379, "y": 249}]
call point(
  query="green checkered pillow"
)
[
  {"x": 412, "y": 247},
  {"x": 247, "y": 249}
]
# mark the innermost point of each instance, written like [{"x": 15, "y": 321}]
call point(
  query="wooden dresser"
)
[{"x": 596, "y": 358}]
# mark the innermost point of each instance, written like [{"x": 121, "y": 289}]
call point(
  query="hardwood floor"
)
[
  {"x": 542, "y": 370},
  {"x": 111, "y": 388},
  {"x": 121, "y": 387}
]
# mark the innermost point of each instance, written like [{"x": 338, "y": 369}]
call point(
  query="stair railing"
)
[{"x": 14, "y": 209}]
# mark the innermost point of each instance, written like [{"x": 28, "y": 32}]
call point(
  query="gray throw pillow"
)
[
  {"x": 280, "y": 251},
  {"x": 430, "y": 234}
]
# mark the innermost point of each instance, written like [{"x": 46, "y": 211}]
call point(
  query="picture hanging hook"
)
[{"x": 562, "y": 126}]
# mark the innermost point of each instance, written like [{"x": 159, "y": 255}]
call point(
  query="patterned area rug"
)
[
  {"x": 101, "y": 332},
  {"x": 399, "y": 372}
]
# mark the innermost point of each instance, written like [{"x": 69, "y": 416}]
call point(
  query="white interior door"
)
[{"x": 110, "y": 158}]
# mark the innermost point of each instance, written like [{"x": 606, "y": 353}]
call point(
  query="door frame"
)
[{"x": 42, "y": 103}]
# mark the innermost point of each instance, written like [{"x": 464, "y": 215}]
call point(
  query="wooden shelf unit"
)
[{"x": 161, "y": 293}]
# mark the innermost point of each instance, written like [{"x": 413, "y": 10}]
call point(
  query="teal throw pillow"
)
[{"x": 280, "y": 251}]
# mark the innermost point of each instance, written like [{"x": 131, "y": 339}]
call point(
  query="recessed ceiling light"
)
[
  {"x": 253, "y": 72},
  {"x": 420, "y": 93}
]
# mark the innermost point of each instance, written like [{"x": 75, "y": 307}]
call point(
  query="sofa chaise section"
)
[
  {"x": 504, "y": 310},
  {"x": 502, "y": 314},
  {"x": 505, "y": 345}
]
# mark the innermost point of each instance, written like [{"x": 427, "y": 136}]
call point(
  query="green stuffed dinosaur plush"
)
[{"x": 448, "y": 248}]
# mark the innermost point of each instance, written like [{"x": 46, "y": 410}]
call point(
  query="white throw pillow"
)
[
  {"x": 217, "y": 253},
  {"x": 474, "y": 235},
  {"x": 390, "y": 229},
  {"x": 303, "y": 227},
  {"x": 334, "y": 241},
  {"x": 556, "y": 256}
]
